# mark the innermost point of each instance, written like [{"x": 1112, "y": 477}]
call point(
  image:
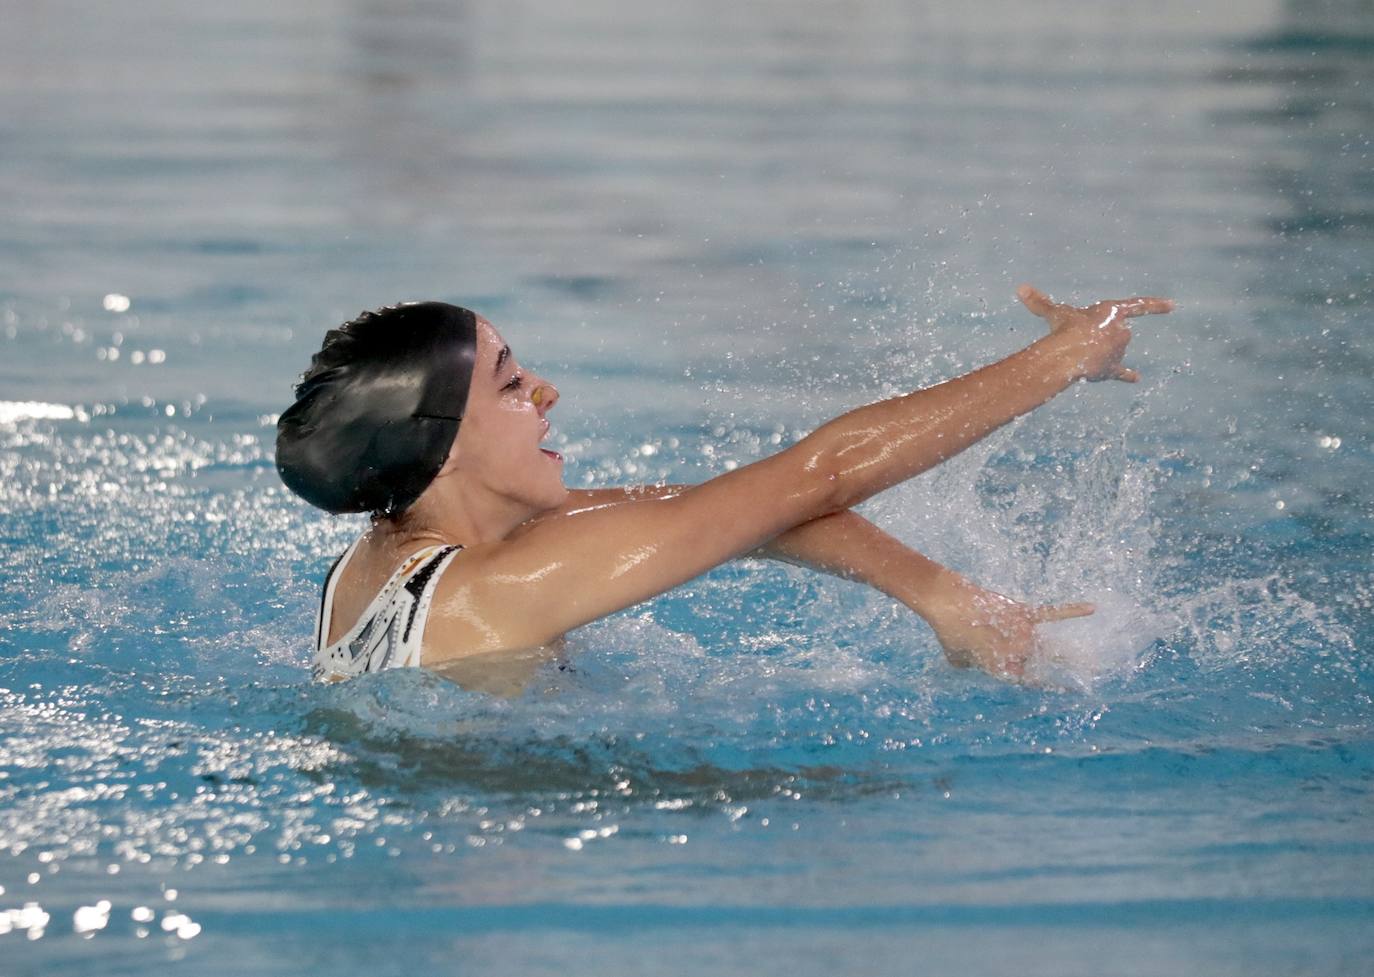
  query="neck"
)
[{"x": 444, "y": 515}]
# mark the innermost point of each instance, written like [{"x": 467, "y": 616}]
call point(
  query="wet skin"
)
[{"x": 540, "y": 559}]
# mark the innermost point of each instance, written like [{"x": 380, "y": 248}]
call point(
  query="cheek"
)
[
  {"x": 493, "y": 424},
  {"x": 500, "y": 444},
  {"x": 479, "y": 444}
]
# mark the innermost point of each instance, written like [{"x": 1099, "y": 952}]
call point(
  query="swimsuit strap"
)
[{"x": 421, "y": 586}]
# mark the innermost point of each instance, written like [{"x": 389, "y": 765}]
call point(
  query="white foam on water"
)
[
  {"x": 1080, "y": 653},
  {"x": 1259, "y": 621}
]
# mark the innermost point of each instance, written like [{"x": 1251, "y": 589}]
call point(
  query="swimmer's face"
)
[{"x": 503, "y": 424}]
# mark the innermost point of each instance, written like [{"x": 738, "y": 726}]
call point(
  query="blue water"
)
[{"x": 714, "y": 226}]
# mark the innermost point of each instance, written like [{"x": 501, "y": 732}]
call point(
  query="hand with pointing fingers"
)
[
  {"x": 982, "y": 629},
  {"x": 1097, "y": 333}
]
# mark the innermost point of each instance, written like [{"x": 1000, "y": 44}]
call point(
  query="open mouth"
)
[{"x": 549, "y": 452}]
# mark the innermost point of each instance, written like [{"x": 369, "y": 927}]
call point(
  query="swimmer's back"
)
[{"x": 358, "y": 577}]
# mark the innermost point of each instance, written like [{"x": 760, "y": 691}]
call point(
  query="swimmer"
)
[{"x": 478, "y": 559}]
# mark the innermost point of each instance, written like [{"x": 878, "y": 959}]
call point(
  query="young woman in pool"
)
[{"x": 479, "y": 559}]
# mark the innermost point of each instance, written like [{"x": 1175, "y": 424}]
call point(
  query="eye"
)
[{"x": 513, "y": 383}]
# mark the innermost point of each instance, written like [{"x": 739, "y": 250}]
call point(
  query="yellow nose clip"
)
[{"x": 537, "y": 397}]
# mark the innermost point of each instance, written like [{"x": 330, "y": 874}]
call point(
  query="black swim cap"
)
[{"x": 376, "y": 413}]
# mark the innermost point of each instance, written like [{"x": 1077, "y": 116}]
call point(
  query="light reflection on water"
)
[{"x": 716, "y": 227}]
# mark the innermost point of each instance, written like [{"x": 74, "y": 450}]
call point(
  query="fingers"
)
[
  {"x": 1061, "y": 612},
  {"x": 1143, "y": 305},
  {"x": 1126, "y": 374},
  {"x": 1037, "y": 301}
]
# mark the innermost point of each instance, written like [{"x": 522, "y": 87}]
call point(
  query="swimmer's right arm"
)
[
  {"x": 976, "y": 627},
  {"x": 567, "y": 572}
]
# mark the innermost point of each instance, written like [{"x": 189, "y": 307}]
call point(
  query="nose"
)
[{"x": 545, "y": 395}]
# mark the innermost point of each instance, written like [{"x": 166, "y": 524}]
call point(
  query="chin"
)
[
  {"x": 546, "y": 497},
  {"x": 558, "y": 496}
]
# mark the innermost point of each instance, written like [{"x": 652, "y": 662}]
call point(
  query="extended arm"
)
[
  {"x": 843, "y": 544},
  {"x": 975, "y": 626}
]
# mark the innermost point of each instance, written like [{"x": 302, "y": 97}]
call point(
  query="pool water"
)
[{"x": 714, "y": 226}]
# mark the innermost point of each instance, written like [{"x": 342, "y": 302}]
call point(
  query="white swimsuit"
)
[{"x": 389, "y": 633}]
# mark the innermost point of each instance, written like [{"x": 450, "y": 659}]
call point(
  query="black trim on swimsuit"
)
[{"x": 416, "y": 585}]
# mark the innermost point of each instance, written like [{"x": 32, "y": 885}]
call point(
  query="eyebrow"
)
[{"x": 501, "y": 358}]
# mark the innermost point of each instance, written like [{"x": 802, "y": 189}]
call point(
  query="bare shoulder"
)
[
  {"x": 487, "y": 601},
  {"x": 510, "y": 596}
]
